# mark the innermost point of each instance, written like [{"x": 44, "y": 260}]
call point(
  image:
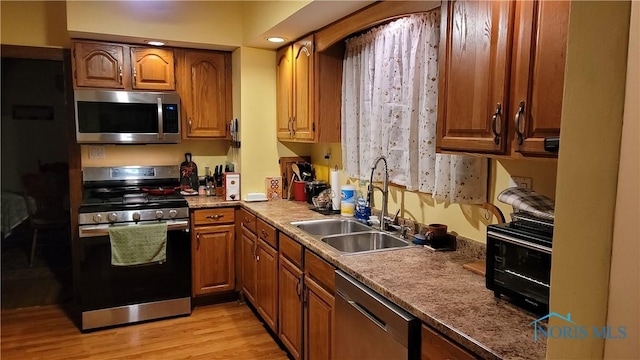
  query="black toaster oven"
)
[{"x": 519, "y": 266}]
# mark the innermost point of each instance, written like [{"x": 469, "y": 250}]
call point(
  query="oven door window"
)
[
  {"x": 528, "y": 263},
  {"x": 106, "y": 286}
]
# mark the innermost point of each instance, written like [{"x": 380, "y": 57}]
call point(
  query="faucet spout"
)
[{"x": 384, "y": 189}]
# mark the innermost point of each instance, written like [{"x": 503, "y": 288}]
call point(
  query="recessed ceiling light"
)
[
  {"x": 276, "y": 39},
  {"x": 155, "y": 43}
]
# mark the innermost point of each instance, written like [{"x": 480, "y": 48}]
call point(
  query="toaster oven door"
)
[{"x": 519, "y": 269}]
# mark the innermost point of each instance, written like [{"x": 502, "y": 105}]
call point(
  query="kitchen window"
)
[{"x": 389, "y": 107}]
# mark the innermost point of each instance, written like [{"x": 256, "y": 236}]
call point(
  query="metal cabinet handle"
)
[
  {"x": 190, "y": 127},
  {"x": 246, "y": 220},
  {"x": 519, "y": 133},
  {"x": 496, "y": 124},
  {"x": 264, "y": 233},
  {"x": 299, "y": 289},
  {"x": 120, "y": 68},
  {"x": 135, "y": 77},
  {"x": 215, "y": 217},
  {"x": 289, "y": 125},
  {"x": 293, "y": 125},
  {"x": 198, "y": 243}
]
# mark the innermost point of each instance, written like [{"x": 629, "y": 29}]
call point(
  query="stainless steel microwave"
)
[{"x": 127, "y": 117}]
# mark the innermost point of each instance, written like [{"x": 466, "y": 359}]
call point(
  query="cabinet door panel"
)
[
  {"x": 214, "y": 259},
  {"x": 249, "y": 265},
  {"x": 303, "y": 67},
  {"x": 318, "y": 319},
  {"x": 205, "y": 94},
  {"x": 474, "y": 66},
  {"x": 539, "y": 59},
  {"x": 284, "y": 92},
  {"x": 267, "y": 284},
  {"x": 153, "y": 69},
  {"x": 290, "y": 307},
  {"x": 99, "y": 65}
]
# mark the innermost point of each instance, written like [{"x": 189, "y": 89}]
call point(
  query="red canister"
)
[{"x": 299, "y": 191}]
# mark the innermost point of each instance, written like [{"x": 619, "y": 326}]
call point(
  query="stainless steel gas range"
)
[{"x": 132, "y": 196}]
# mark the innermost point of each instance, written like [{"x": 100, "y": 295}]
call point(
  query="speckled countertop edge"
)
[{"x": 455, "y": 302}]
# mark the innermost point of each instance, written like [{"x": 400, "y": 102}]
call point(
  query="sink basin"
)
[
  {"x": 364, "y": 241},
  {"x": 327, "y": 227}
]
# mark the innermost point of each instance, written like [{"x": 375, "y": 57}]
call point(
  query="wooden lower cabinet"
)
[
  {"x": 214, "y": 261},
  {"x": 249, "y": 274},
  {"x": 213, "y": 251},
  {"x": 290, "y": 289},
  {"x": 267, "y": 283},
  {"x": 319, "y": 280},
  {"x": 318, "y": 318},
  {"x": 437, "y": 347}
]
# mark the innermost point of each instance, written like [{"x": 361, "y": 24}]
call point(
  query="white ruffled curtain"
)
[{"x": 389, "y": 107}]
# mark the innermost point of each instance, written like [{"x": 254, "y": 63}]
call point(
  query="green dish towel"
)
[{"x": 138, "y": 244}]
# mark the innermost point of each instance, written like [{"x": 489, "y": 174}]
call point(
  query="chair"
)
[{"x": 47, "y": 205}]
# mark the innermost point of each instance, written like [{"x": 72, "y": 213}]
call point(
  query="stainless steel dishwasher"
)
[{"x": 368, "y": 326}]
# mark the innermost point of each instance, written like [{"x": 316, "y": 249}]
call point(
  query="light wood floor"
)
[{"x": 223, "y": 331}]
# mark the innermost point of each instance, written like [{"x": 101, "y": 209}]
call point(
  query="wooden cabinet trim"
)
[
  {"x": 267, "y": 233},
  {"x": 318, "y": 318},
  {"x": 290, "y": 249},
  {"x": 248, "y": 220},
  {"x": 368, "y": 17},
  {"x": 320, "y": 271},
  {"x": 213, "y": 216}
]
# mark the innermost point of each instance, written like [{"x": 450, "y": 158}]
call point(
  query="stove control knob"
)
[
  {"x": 97, "y": 218},
  {"x": 173, "y": 213},
  {"x": 113, "y": 217},
  {"x": 159, "y": 214},
  {"x": 136, "y": 216}
]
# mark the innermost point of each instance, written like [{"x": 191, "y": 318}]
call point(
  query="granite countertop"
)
[
  {"x": 201, "y": 202},
  {"x": 432, "y": 286}
]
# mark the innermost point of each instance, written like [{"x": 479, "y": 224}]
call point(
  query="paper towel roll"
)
[{"x": 335, "y": 186}]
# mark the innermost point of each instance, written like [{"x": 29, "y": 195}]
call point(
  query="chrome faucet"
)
[{"x": 384, "y": 189}]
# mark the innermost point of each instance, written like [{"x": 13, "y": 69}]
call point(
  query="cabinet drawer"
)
[
  {"x": 320, "y": 271},
  {"x": 248, "y": 220},
  {"x": 437, "y": 347},
  {"x": 267, "y": 233},
  {"x": 213, "y": 216},
  {"x": 290, "y": 249}
]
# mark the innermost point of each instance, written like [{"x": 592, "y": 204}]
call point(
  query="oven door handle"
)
[
  {"x": 103, "y": 229},
  {"x": 525, "y": 244},
  {"x": 160, "y": 120}
]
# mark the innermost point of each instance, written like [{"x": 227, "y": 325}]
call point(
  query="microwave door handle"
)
[{"x": 160, "y": 120}]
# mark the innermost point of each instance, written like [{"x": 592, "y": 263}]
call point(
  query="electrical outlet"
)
[
  {"x": 96, "y": 152},
  {"x": 521, "y": 181},
  {"x": 327, "y": 154}
]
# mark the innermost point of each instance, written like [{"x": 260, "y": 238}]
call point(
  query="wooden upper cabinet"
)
[
  {"x": 153, "y": 69},
  {"x": 284, "y": 91},
  {"x": 204, "y": 85},
  {"x": 120, "y": 66},
  {"x": 99, "y": 65},
  {"x": 539, "y": 57},
  {"x": 475, "y": 47},
  {"x": 303, "y": 67}
]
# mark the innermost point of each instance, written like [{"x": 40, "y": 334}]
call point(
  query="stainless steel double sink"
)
[{"x": 350, "y": 236}]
